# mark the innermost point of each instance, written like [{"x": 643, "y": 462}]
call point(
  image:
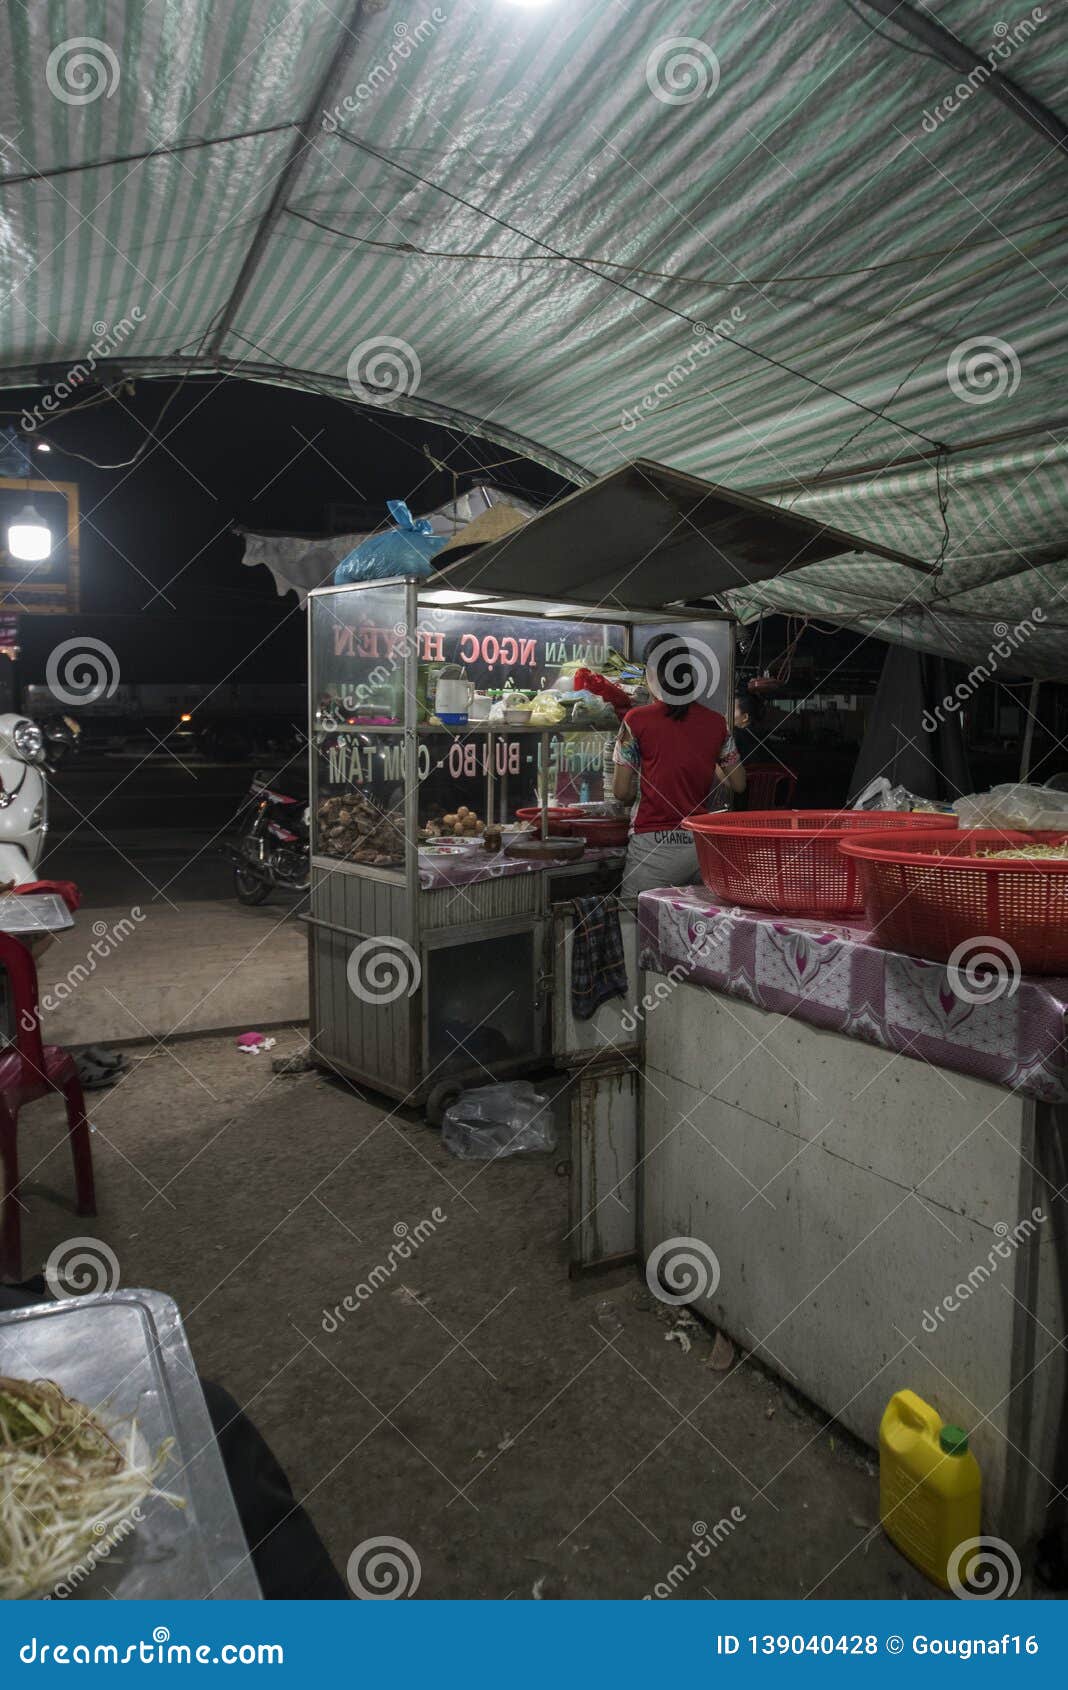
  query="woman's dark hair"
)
[
  {"x": 750, "y": 704},
  {"x": 671, "y": 661}
]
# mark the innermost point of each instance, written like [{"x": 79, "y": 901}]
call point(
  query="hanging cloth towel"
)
[{"x": 598, "y": 965}]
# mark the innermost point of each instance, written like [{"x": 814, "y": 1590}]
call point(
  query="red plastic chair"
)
[
  {"x": 769, "y": 786},
  {"x": 29, "y": 1070}
]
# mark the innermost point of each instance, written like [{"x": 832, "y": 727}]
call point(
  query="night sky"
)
[{"x": 162, "y": 578}]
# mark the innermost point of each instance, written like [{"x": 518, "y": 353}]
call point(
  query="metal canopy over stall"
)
[{"x": 649, "y": 536}]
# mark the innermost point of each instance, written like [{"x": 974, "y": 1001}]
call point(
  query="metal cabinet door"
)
[
  {"x": 610, "y": 1033},
  {"x": 603, "y": 1214}
]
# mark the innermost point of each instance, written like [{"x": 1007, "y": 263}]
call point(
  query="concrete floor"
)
[
  {"x": 163, "y": 969},
  {"x": 512, "y": 1427},
  {"x": 161, "y": 946}
]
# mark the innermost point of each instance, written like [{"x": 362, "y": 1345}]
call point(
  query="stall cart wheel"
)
[{"x": 440, "y": 1099}]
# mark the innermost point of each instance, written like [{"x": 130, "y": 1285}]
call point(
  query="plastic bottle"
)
[{"x": 929, "y": 1486}]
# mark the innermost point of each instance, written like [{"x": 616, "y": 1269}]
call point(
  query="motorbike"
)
[
  {"x": 28, "y": 751},
  {"x": 273, "y": 846}
]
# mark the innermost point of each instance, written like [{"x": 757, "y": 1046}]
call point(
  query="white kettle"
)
[{"x": 452, "y": 698}]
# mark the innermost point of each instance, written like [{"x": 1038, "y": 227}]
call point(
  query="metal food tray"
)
[
  {"x": 125, "y": 1355},
  {"x": 34, "y": 912}
]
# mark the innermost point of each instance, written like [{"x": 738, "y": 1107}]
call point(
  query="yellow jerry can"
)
[{"x": 929, "y": 1486}]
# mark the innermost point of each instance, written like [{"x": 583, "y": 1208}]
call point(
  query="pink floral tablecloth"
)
[{"x": 831, "y": 974}]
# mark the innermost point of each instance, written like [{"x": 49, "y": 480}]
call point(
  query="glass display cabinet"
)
[{"x": 430, "y": 952}]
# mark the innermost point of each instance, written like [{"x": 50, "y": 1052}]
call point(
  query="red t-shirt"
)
[{"x": 677, "y": 762}]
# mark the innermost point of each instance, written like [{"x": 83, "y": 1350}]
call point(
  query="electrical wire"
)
[
  {"x": 127, "y": 463},
  {"x": 165, "y": 151},
  {"x": 407, "y": 249},
  {"x": 942, "y": 492},
  {"x": 85, "y": 404},
  {"x": 624, "y": 287},
  {"x": 186, "y": 376},
  {"x": 942, "y": 483},
  {"x": 374, "y": 417},
  {"x": 781, "y": 668},
  {"x": 480, "y": 469}
]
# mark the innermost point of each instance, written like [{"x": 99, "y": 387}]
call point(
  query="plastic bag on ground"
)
[{"x": 504, "y": 1120}]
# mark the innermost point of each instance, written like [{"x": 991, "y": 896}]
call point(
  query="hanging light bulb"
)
[{"x": 29, "y": 538}]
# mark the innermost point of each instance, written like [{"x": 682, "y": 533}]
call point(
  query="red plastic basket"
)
[
  {"x": 937, "y": 898},
  {"x": 788, "y": 860}
]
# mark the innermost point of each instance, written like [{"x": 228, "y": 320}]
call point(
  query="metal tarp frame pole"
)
[
  {"x": 960, "y": 57},
  {"x": 1029, "y": 731},
  {"x": 305, "y": 139}
]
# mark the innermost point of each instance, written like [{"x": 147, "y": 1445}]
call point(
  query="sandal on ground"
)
[
  {"x": 104, "y": 1058},
  {"x": 93, "y": 1076}
]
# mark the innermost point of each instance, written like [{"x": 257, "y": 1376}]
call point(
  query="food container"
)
[
  {"x": 452, "y": 697},
  {"x": 578, "y": 821},
  {"x": 599, "y": 832},
  {"x": 518, "y": 715},
  {"x": 787, "y": 861},
  {"x": 557, "y": 815},
  {"x": 30, "y": 913},
  {"x": 554, "y": 849},
  {"x": 935, "y": 895},
  {"x": 125, "y": 1355}
]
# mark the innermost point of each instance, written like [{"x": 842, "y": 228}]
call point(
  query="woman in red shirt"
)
[{"x": 673, "y": 753}]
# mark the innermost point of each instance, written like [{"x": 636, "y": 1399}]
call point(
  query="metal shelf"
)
[{"x": 424, "y": 730}]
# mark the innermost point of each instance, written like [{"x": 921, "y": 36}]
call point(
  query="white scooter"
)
[{"x": 27, "y": 750}]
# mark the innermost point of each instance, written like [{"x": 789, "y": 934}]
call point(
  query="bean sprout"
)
[{"x": 66, "y": 1485}]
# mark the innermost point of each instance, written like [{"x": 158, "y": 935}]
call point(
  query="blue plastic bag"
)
[{"x": 404, "y": 550}]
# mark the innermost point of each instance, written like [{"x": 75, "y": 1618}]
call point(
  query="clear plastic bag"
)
[
  {"x": 877, "y": 795},
  {"x": 880, "y": 795},
  {"x": 505, "y": 1120},
  {"x": 547, "y": 711},
  {"x": 589, "y": 711},
  {"x": 1014, "y": 805}
]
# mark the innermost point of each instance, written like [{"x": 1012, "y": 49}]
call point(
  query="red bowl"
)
[
  {"x": 598, "y": 831},
  {"x": 532, "y": 813}
]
